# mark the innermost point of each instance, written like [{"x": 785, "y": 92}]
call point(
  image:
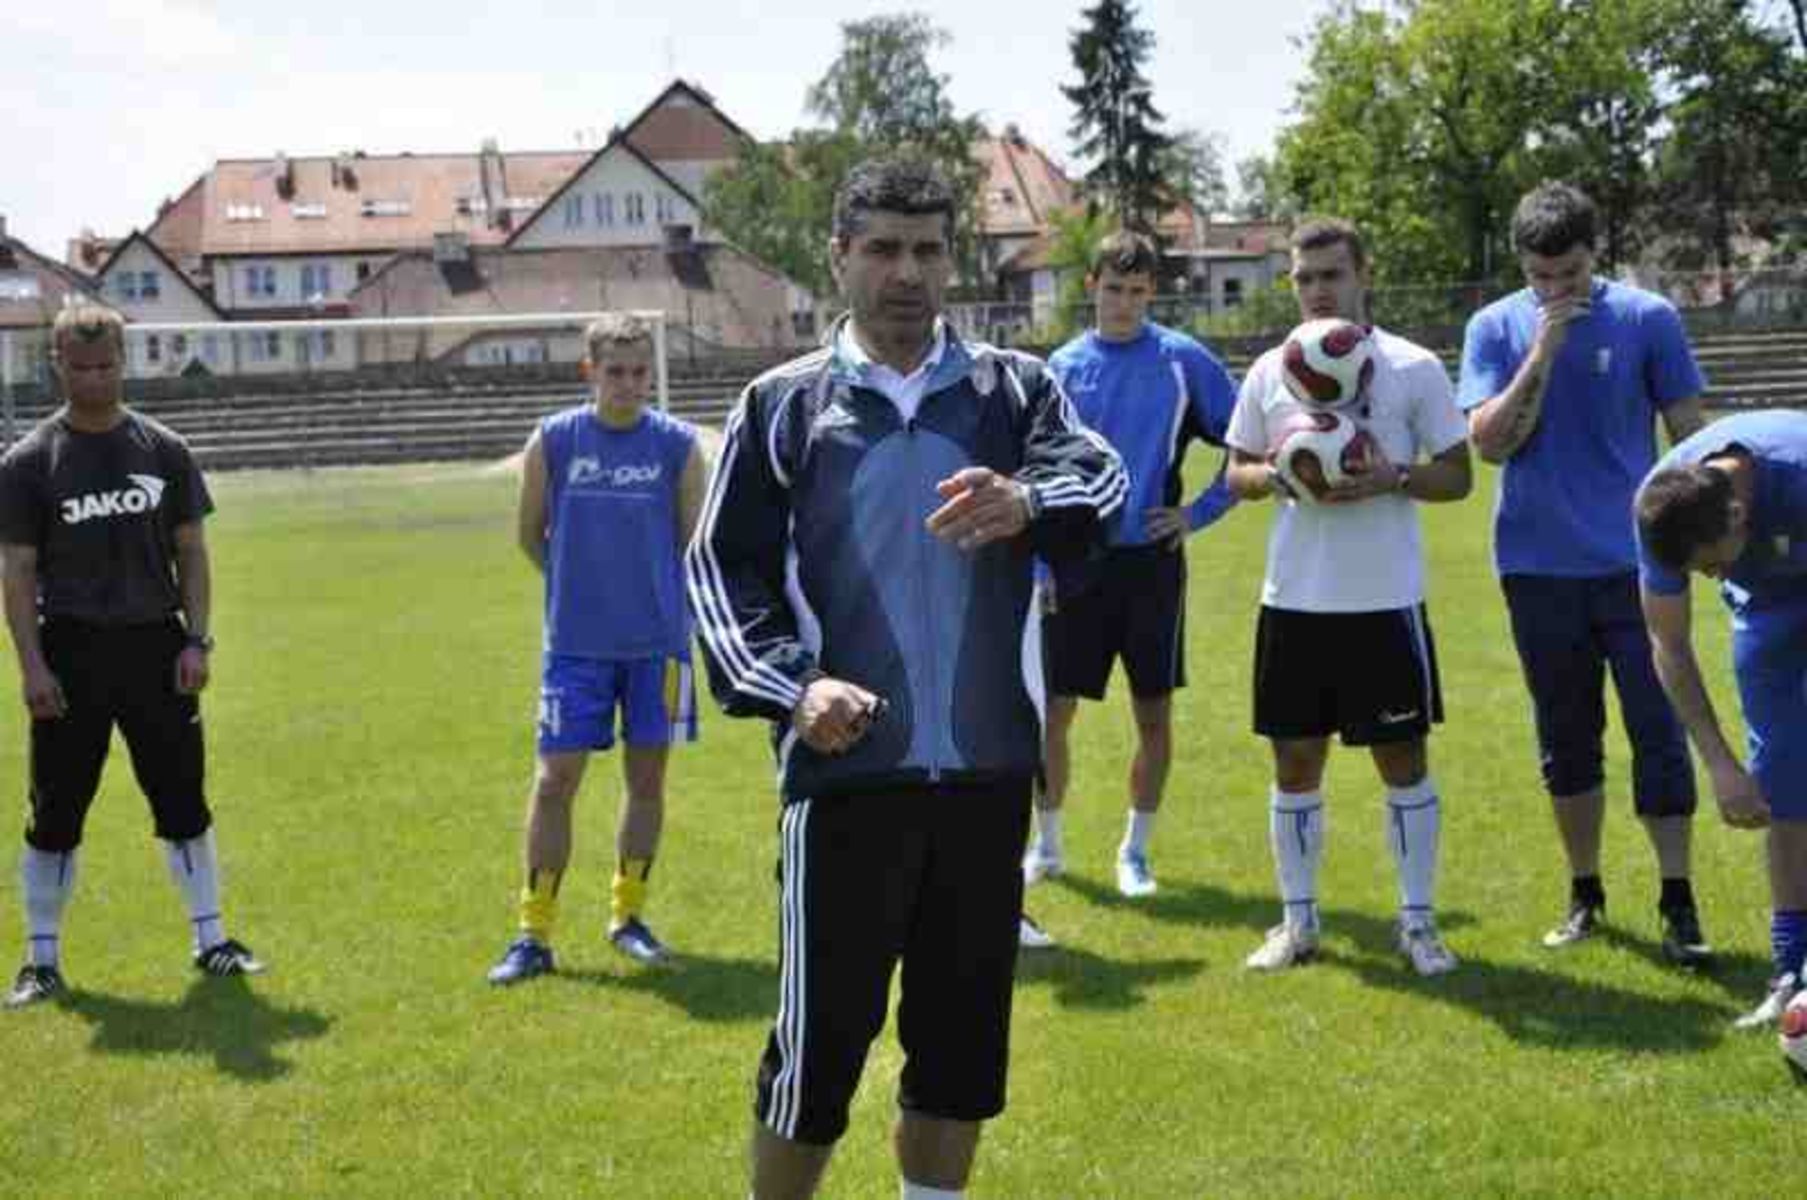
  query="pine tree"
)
[{"x": 1116, "y": 125}]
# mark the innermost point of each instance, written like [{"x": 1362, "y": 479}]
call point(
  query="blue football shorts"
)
[
  {"x": 579, "y": 698},
  {"x": 1769, "y": 657}
]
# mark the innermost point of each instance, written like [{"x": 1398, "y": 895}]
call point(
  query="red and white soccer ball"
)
[
  {"x": 1794, "y": 1036},
  {"x": 1314, "y": 451},
  {"x": 1327, "y": 363}
]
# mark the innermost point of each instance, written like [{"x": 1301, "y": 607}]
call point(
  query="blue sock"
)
[{"x": 1788, "y": 940}]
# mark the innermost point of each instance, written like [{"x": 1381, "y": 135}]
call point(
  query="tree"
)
[
  {"x": 1193, "y": 170},
  {"x": 1072, "y": 244},
  {"x": 881, "y": 95},
  {"x": 1116, "y": 124}
]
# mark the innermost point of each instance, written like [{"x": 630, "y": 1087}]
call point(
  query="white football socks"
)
[
  {"x": 1296, "y": 832},
  {"x": 1137, "y": 833},
  {"x": 1414, "y": 820},
  {"x": 1047, "y": 832},
  {"x": 922, "y": 1191},
  {"x": 195, "y": 869},
  {"x": 48, "y": 879}
]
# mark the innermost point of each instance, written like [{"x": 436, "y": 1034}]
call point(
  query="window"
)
[
  {"x": 149, "y": 285},
  {"x": 210, "y": 348},
  {"x": 516, "y": 204},
  {"x": 178, "y": 346},
  {"x": 634, "y": 209},
  {"x": 153, "y": 348},
  {"x": 244, "y": 212},
  {"x": 386, "y": 208},
  {"x": 260, "y": 281},
  {"x": 127, "y": 285},
  {"x": 363, "y": 271},
  {"x": 325, "y": 343},
  {"x": 308, "y": 212},
  {"x": 665, "y": 209},
  {"x": 266, "y": 347},
  {"x": 605, "y": 208},
  {"x": 316, "y": 280},
  {"x": 574, "y": 210},
  {"x": 18, "y": 285},
  {"x": 1232, "y": 293}
]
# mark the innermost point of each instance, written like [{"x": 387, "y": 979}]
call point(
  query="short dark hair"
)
[
  {"x": 1681, "y": 509},
  {"x": 1126, "y": 252},
  {"x": 1553, "y": 218},
  {"x": 902, "y": 184},
  {"x": 1320, "y": 233}
]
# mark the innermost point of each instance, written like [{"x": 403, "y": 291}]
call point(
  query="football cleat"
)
[
  {"x": 635, "y": 940},
  {"x": 524, "y": 959},
  {"x": 1683, "y": 943},
  {"x": 1285, "y": 946},
  {"x": 1423, "y": 947},
  {"x": 1030, "y": 936},
  {"x": 1582, "y": 922},
  {"x": 1040, "y": 864},
  {"x": 34, "y": 985},
  {"x": 1782, "y": 989},
  {"x": 1134, "y": 879},
  {"x": 228, "y": 958}
]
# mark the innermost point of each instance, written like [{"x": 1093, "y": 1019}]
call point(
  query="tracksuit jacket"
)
[{"x": 811, "y": 557}]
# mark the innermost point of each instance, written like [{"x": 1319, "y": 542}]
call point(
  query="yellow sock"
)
[
  {"x": 628, "y": 895},
  {"x": 539, "y": 905}
]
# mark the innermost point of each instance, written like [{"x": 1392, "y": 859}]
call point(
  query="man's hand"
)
[
  {"x": 1168, "y": 526},
  {"x": 191, "y": 670},
  {"x": 834, "y": 715},
  {"x": 44, "y": 694},
  {"x": 1553, "y": 320},
  {"x": 982, "y": 507},
  {"x": 1741, "y": 801},
  {"x": 1383, "y": 480}
]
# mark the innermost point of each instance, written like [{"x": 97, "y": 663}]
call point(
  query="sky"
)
[{"x": 112, "y": 106}]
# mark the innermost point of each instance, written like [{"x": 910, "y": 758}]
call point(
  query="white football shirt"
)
[{"x": 1367, "y": 556}]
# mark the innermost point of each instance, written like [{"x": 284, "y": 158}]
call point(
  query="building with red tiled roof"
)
[{"x": 33, "y": 289}]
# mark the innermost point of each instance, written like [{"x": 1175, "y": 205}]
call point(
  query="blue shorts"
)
[
  {"x": 1570, "y": 631},
  {"x": 579, "y": 696},
  {"x": 1769, "y": 657}
]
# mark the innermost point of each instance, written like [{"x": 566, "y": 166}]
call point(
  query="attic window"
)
[
  {"x": 1006, "y": 196},
  {"x": 386, "y": 208},
  {"x": 308, "y": 212},
  {"x": 18, "y": 285},
  {"x": 523, "y": 203},
  {"x": 244, "y": 212},
  {"x": 472, "y": 206}
]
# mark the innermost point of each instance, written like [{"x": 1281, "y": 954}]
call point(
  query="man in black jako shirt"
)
[{"x": 107, "y": 590}]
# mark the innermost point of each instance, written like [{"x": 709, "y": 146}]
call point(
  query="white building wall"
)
[
  {"x": 295, "y": 280},
  {"x": 601, "y": 207}
]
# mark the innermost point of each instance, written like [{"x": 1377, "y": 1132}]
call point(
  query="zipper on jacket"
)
[{"x": 928, "y": 617}]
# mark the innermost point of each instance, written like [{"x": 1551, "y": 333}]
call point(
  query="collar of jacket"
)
[{"x": 957, "y": 362}]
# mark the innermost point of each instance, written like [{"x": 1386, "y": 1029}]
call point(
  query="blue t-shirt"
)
[
  {"x": 1564, "y": 502},
  {"x": 614, "y": 569},
  {"x": 1149, "y": 396},
  {"x": 1771, "y": 574}
]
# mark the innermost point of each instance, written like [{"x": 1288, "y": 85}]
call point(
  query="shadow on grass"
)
[
  {"x": 224, "y": 1019},
  {"x": 704, "y": 988},
  {"x": 1534, "y": 1005},
  {"x": 1082, "y": 979},
  {"x": 1740, "y": 975}
]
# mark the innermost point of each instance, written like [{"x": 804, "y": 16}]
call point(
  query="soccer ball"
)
[
  {"x": 1327, "y": 363},
  {"x": 1314, "y": 451},
  {"x": 1794, "y": 1036}
]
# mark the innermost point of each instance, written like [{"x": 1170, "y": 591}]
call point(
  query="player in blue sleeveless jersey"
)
[
  {"x": 1731, "y": 503},
  {"x": 610, "y": 492},
  {"x": 1149, "y": 391}
]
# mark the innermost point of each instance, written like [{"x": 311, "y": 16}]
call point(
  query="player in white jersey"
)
[{"x": 1344, "y": 644}]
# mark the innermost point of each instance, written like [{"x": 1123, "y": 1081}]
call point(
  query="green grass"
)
[{"x": 370, "y": 738}]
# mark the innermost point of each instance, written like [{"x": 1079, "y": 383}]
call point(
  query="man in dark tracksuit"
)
[
  {"x": 861, "y": 576},
  {"x": 107, "y": 588}
]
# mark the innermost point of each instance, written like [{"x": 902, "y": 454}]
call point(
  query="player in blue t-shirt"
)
[
  {"x": 1731, "y": 503},
  {"x": 610, "y": 492},
  {"x": 1563, "y": 382},
  {"x": 1149, "y": 391}
]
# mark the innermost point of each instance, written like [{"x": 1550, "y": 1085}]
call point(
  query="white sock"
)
[
  {"x": 195, "y": 868},
  {"x": 47, "y": 880},
  {"x": 1137, "y": 832},
  {"x": 1047, "y": 832},
  {"x": 922, "y": 1191},
  {"x": 1413, "y": 823},
  {"x": 1296, "y": 832}
]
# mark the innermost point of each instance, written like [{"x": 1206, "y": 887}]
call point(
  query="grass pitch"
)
[{"x": 370, "y": 743}]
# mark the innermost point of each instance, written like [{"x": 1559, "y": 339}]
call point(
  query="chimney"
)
[
  {"x": 2, "y": 227},
  {"x": 494, "y": 181},
  {"x": 285, "y": 176}
]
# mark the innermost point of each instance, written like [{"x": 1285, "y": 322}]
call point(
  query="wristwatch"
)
[{"x": 200, "y": 641}]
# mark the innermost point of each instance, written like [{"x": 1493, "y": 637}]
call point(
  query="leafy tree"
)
[
  {"x": 1072, "y": 243},
  {"x": 1115, "y": 123},
  {"x": 1193, "y": 170}
]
